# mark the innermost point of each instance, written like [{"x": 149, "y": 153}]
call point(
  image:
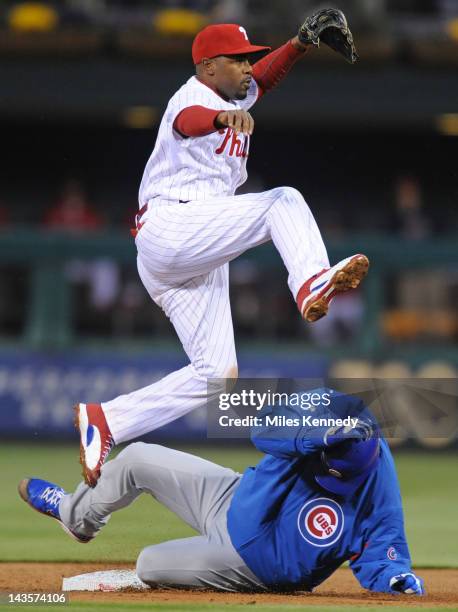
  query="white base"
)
[{"x": 109, "y": 580}]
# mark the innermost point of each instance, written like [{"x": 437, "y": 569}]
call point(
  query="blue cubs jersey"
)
[{"x": 293, "y": 534}]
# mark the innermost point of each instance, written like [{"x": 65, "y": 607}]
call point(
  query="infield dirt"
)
[{"x": 341, "y": 589}]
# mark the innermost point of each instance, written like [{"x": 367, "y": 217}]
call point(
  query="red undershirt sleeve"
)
[
  {"x": 196, "y": 121},
  {"x": 273, "y": 67}
]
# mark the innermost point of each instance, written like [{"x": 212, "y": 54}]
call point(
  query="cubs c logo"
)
[
  {"x": 320, "y": 521},
  {"x": 391, "y": 553}
]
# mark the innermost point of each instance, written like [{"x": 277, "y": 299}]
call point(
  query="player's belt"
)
[
  {"x": 138, "y": 217},
  {"x": 138, "y": 220}
]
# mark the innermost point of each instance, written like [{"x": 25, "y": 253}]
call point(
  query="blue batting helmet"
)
[{"x": 345, "y": 465}]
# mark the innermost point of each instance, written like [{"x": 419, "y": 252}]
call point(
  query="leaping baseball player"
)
[
  {"x": 319, "y": 497},
  {"x": 191, "y": 225}
]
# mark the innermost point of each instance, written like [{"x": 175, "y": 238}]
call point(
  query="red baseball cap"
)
[{"x": 222, "y": 39}]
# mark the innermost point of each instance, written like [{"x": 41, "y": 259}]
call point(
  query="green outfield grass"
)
[{"x": 428, "y": 483}]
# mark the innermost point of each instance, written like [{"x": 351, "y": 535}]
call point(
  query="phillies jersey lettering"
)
[
  {"x": 239, "y": 143},
  {"x": 196, "y": 168}
]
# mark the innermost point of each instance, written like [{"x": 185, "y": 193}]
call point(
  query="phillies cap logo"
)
[
  {"x": 244, "y": 33},
  {"x": 320, "y": 521}
]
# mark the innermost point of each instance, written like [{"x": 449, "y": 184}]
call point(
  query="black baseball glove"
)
[{"x": 329, "y": 26}]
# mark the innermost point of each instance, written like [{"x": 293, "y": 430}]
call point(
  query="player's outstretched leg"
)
[
  {"x": 96, "y": 440},
  {"x": 200, "y": 312},
  {"x": 194, "y": 489},
  {"x": 45, "y": 497},
  {"x": 316, "y": 294}
]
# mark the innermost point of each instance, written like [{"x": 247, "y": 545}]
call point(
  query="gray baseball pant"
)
[{"x": 198, "y": 491}]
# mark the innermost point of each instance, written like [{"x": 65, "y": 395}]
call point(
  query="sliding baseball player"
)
[{"x": 318, "y": 498}]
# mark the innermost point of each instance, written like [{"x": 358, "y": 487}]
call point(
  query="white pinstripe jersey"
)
[{"x": 197, "y": 168}]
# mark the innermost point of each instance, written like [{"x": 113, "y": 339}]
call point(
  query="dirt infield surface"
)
[{"x": 341, "y": 589}]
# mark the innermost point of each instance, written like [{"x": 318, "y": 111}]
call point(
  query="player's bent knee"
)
[
  {"x": 132, "y": 452},
  {"x": 288, "y": 194},
  {"x": 219, "y": 371},
  {"x": 142, "y": 567},
  {"x": 230, "y": 377},
  {"x": 292, "y": 194},
  {"x": 136, "y": 462},
  {"x": 148, "y": 566},
  {"x": 141, "y": 454}
]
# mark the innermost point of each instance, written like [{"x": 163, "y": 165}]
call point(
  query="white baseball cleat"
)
[
  {"x": 96, "y": 440},
  {"x": 316, "y": 294}
]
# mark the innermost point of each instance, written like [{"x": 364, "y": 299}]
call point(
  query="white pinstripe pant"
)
[{"x": 183, "y": 255}]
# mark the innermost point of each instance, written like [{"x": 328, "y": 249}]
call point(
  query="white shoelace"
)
[{"x": 52, "y": 495}]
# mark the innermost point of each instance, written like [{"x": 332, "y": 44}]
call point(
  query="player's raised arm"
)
[{"x": 271, "y": 69}]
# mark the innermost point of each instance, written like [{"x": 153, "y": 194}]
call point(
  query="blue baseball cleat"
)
[{"x": 44, "y": 497}]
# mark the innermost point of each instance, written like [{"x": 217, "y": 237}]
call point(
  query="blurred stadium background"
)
[{"x": 373, "y": 148}]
